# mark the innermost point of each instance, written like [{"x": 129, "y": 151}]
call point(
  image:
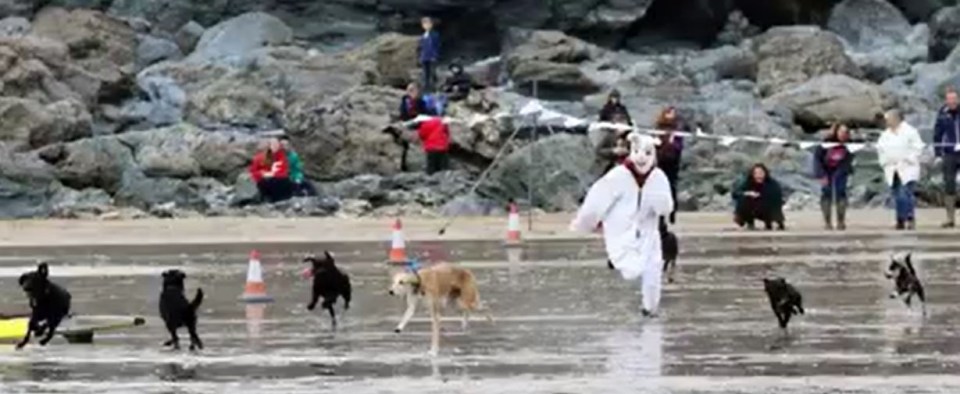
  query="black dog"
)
[
  {"x": 49, "y": 303},
  {"x": 328, "y": 282},
  {"x": 671, "y": 248},
  {"x": 176, "y": 311},
  {"x": 907, "y": 283},
  {"x": 785, "y": 300}
]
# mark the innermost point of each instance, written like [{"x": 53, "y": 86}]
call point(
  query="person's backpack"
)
[{"x": 435, "y": 103}]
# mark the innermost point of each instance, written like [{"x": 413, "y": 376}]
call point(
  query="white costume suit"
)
[{"x": 630, "y": 217}]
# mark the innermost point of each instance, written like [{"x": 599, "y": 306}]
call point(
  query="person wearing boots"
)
[
  {"x": 945, "y": 139},
  {"x": 833, "y": 164}
]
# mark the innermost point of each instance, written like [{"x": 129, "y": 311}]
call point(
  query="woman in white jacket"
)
[{"x": 899, "y": 150}]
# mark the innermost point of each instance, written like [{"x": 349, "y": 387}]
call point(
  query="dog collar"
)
[{"x": 413, "y": 265}]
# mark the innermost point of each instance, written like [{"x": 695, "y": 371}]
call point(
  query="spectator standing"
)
[
  {"x": 301, "y": 185},
  {"x": 899, "y": 150},
  {"x": 613, "y": 107},
  {"x": 758, "y": 197},
  {"x": 429, "y": 52},
  {"x": 670, "y": 151},
  {"x": 613, "y": 147},
  {"x": 413, "y": 104},
  {"x": 833, "y": 165},
  {"x": 270, "y": 170},
  {"x": 435, "y": 138},
  {"x": 946, "y": 138}
]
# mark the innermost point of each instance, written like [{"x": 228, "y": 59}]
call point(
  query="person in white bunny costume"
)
[{"x": 627, "y": 204}]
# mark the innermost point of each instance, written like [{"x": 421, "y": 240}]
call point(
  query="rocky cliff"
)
[{"x": 153, "y": 107}]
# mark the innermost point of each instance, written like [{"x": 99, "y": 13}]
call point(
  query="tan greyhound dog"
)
[{"x": 437, "y": 285}]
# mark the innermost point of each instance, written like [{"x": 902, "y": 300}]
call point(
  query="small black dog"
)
[
  {"x": 49, "y": 303},
  {"x": 785, "y": 300},
  {"x": 328, "y": 282},
  {"x": 177, "y": 312},
  {"x": 906, "y": 282},
  {"x": 671, "y": 248}
]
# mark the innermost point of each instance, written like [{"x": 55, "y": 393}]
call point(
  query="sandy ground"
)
[{"x": 246, "y": 230}]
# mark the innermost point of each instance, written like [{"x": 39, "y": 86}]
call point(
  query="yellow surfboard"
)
[{"x": 77, "y": 329}]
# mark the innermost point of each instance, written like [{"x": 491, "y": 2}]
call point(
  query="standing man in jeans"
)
[
  {"x": 899, "y": 150},
  {"x": 945, "y": 139},
  {"x": 429, "y": 51}
]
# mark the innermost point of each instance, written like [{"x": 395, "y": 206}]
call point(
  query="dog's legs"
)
[
  {"x": 32, "y": 325},
  {"x": 313, "y": 301},
  {"x": 195, "y": 343},
  {"x": 923, "y": 300},
  {"x": 51, "y": 330},
  {"x": 174, "y": 339},
  {"x": 333, "y": 315},
  {"x": 465, "y": 323},
  {"x": 411, "y": 308},
  {"x": 435, "y": 317}
]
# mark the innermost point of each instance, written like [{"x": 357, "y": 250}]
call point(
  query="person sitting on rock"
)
[
  {"x": 613, "y": 107},
  {"x": 435, "y": 138},
  {"x": 270, "y": 170},
  {"x": 413, "y": 104},
  {"x": 832, "y": 165},
  {"x": 458, "y": 86},
  {"x": 670, "y": 150},
  {"x": 301, "y": 186},
  {"x": 758, "y": 197}
]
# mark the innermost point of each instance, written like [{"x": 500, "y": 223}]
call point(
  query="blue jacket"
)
[
  {"x": 946, "y": 132},
  {"x": 430, "y": 47}
]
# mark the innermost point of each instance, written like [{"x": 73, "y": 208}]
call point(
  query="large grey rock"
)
[
  {"x": 395, "y": 57},
  {"x": 868, "y": 24},
  {"x": 99, "y": 162},
  {"x": 791, "y": 55},
  {"x": 152, "y": 50},
  {"x": 726, "y": 62},
  {"x": 14, "y": 26},
  {"x": 552, "y": 58},
  {"x": 884, "y": 62},
  {"x": 169, "y": 15},
  {"x": 161, "y": 103},
  {"x": 233, "y": 39},
  {"x": 944, "y": 32},
  {"x": 830, "y": 98},
  {"x": 559, "y": 167},
  {"x": 80, "y": 204},
  {"x": 921, "y": 10},
  {"x": 185, "y": 152},
  {"x": 161, "y": 194},
  {"x": 29, "y": 124},
  {"x": 188, "y": 36},
  {"x": 22, "y": 8}
]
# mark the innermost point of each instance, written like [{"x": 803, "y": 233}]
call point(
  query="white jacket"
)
[
  {"x": 630, "y": 227},
  {"x": 899, "y": 153}
]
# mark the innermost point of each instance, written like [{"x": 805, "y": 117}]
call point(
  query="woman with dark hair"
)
[
  {"x": 270, "y": 170},
  {"x": 669, "y": 151},
  {"x": 614, "y": 107},
  {"x": 613, "y": 146},
  {"x": 832, "y": 165},
  {"x": 758, "y": 197}
]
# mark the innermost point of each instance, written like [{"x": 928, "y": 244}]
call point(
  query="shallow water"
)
[{"x": 561, "y": 326}]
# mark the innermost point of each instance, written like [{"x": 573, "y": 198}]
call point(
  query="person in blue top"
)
[
  {"x": 429, "y": 52},
  {"x": 945, "y": 139}
]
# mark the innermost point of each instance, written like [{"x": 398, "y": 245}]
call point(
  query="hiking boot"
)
[
  {"x": 841, "y": 215},
  {"x": 911, "y": 224},
  {"x": 900, "y": 225},
  {"x": 950, "y": 203},
  {"x": 827, "y": 209}
]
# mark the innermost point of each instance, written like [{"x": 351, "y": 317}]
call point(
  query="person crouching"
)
[
  {"x": 759, "y": 197},
  {"x": 270, "y": 170}
]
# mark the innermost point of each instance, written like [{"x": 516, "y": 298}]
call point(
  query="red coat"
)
[
  {"x": 434, "y": 135},
  {"x": 280, "y": 166}
]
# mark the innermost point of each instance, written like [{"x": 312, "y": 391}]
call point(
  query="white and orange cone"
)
[
  {"x": 513, "y": 226},
  {"x": 255, "y": 289},
  {"x": 398, "y": 248}
]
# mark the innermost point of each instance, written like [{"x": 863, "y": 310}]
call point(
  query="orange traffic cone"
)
[
  {"x": 398, "y": 249},
  {"x": 513, "y": 225},
  {"x": 255, "y": 290}
]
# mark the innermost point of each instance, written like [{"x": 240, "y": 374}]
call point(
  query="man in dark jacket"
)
[
  {"x": 758, "y": 197},
  {"x": 429, "y": 52},
  {"x": 832, "y": 165},
  {"x": 613, "y": 107},
  {"x": 458, "y": 85},
  {"x": 946, "y": 137}
]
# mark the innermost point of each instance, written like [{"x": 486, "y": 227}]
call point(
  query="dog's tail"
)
[{"x": 197, "y": 300}]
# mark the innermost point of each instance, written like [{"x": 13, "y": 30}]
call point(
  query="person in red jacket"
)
[
  {"x": 435, "y": 138},
  {"x": 270, "y": 170}
]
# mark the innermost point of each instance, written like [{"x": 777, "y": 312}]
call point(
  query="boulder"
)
[
  {"x": 552, "y": 58},
  {"x": 170, "y": 15},
  {"x": 39, "y": 69},
  {"x": 607, "y": 15},
  {"x": 726, "y": 62},
  {"x": 80, "y": 204},
  {"x": 184, "y": 152},
  {"x": 22, "y": 8},
  {"x": 885, "y": 62},
  {"x": 99, "y": 162},
  {"x": 394, "y": 56},
  {"x": 792, "y": 55},
  {"x": 29, "y": 124},
  {"x": 868, "y": 24},
  {"x": 188, "y": 36},
  {"x": 557, "y": 170},
  {"x": 234, "y": 39},
  {"x": 161, "y": 103},
  {"x": 155, "y": 194},
  {"x": 14, "y": 26},
  {"x": 152, "y": 50},
  {"x": 830, "y": 98},
  {"x": 105, "y": 47},
  {"x": 920, "y": 10},
  {"x": 944, "y": 32}
]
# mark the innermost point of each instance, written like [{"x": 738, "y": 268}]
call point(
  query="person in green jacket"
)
[
  {"x": 302, "y": 186},
  {"x": 758, "y": 197}
]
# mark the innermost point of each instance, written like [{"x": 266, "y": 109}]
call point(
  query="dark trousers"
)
[
  {"x": 304, "y": 189},
  {"x": 437, "y": 162},
  {"x": 751, "y": 209},
  {"x": 673, "y": 177},
  {"x": 949, "y": 166},
  {"x": 836, "y": 187},
  {"x": 275, "y": 189},
  {"x": 429, "y": 70}
]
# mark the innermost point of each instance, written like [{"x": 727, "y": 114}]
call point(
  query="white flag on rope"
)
[
  {"x": 532, "y": 107},
  {"x": 728, "y": 140},
  {"x": 854, "y": 148},
  {"x": 807, "y": 144}
]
